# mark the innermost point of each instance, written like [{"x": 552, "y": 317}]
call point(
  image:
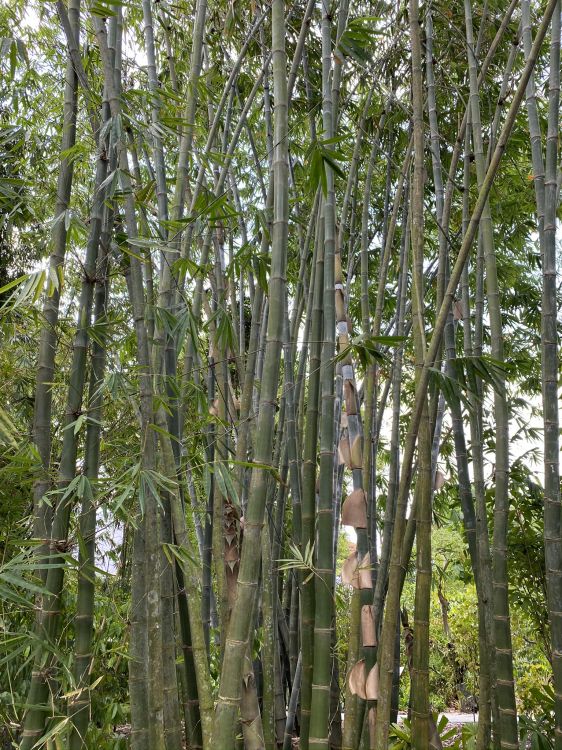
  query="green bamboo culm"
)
[
  {"x": 308, "y": 514},
  {"x": 505, "y": 687},
  {"x": 324, "y": 579},
  {"x": 550, "y": 364},
  {"x": 42, "y": 415},
  {"x": 392, "y": 608},
  {"x": 545, "y": 184},
  {"x": 420, "y": 666},
  {"x": 145, "y": 692},
  {"x": 79, "y": 707},
  {"x": 48, "y": 615},
  {"x": 241, "y": 623}
]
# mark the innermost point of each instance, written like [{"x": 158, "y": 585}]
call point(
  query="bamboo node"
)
[{"x": 228, "y": 701}]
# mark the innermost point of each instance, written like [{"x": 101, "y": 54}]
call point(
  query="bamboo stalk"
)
[
  {"x": 420, "y": 666},
  {"x": 324, "y": 578},
  {"x": 79, "y": 708},
  {"x": 241, "y": 618},
  {"x": 43, "y": 402},
  {"x": 48, "y": 615},
  {"x": 505, "y": 688},
  {"x": 383, "y": 707}
]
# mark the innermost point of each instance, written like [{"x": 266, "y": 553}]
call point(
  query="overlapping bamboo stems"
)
[
  {"x": 351, "y": 184},
  {"x": 483, "y": 574},
  {"x": 196, "y": 307},
  {"x": 324, "y": 549},
  {"x": 296, "y": 469},
  {"x": 388, "y": 631},
  {"x": 362, "y": 473},
  {"x": 136, "y": 294},
  {"x": 293, "y": 385},
  {"x": 192, "y": 581},
  {"x": 243, "y": 442},
  {"x": 292, "y": 707},
  {"x": 191, "y": 713},
  {"x": 408, "y": 541},
  {"x": 465, "y": 489},
  {"x": 505, "y": 687},
  {"x": 476, "y": 420},
  {"x": 394, "y": 467},
  {"x": 73, "y": 46},
  {"x": 459, "y": 142},
  {"x": 475, "y": 412},
  {"x": 308, "y": 509},
  {"x": 225, "y": 514},
  {"x": 420, "y": 666},
  {"x": 190, "y": 352},
  {"x": 268, "y": 646},
  {"x": 354, "y": 706},
  {"x": 338, "y": 65},
  {"x": 299, "y": 48},
  {"x": 354, "y": 715},
  {"x": 43, "y": 402},
  {"x": 48, "y": 615},
  {"x": 212, "y": 135},
  {"x": 546, "y": 193},
  {"x": 290, "y": 464},
  {"x": 79, "y": 706},
  {"x": 163, "y": 693},
  {"x": 379, "y": 302},
  {"x": 388, "y": 522},
  {"x": 192, "y": 93},
  {"x": 550, "y": 362},
  {"x": 241, "y": 619}
]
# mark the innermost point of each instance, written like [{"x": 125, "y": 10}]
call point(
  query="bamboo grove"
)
[{"x": 275, "y": 276}]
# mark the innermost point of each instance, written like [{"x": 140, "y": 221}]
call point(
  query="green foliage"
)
[
  {"x": 358, "y": 38},
  {"x": 401, "y": 735}
]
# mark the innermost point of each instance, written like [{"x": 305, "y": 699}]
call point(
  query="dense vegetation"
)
[{"x": 279, "y": 366}]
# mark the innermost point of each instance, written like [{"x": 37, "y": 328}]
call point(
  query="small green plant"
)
[
  {"x": 401, "y": 735},
  {"x": 536, "y": 731}
]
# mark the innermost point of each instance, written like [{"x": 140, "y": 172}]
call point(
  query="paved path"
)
[{"x": 453, "y": 718}]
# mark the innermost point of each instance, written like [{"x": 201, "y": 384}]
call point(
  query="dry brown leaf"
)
[
  {"x": 365, "y": 578},
  {"x": 349, "y": 572},
  {"x": 354, "y": 510},
  {"x": 439, "y": 480},
  {"x": 356, "y": 680},
  {"x": 350, "y": 397},
  {"x": 340, "y": 304},
  {"x": 372, "y": 684},
  {"x": 356, "y": 453},
  {"x": 344, "y": 452},
  {"x": 368, "y": 626}
]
